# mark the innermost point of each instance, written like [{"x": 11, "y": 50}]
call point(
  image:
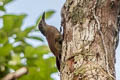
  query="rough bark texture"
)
[{"x": 90, "y": 36}]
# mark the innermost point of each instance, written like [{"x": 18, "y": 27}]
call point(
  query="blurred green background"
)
[{"x": 16, "y": 51}]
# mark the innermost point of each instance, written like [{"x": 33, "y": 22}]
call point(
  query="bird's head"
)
[{"x": 42, "y": 25}]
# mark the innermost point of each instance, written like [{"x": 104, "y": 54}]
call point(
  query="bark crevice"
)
[{"x": 90, "y": 30}]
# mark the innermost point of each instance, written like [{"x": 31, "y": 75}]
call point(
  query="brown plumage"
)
[{"x": 53, "y": 37}]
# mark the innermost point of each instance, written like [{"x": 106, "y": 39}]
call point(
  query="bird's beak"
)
[{"x": 43, "y": 17}]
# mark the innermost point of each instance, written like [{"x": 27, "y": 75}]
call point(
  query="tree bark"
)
[{"x": 90, "y": 32}]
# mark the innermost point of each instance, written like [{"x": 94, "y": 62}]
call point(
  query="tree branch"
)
[{"x": 18, "y": 73}]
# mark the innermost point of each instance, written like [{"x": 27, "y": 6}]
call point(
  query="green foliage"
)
[
  {"x": 23, "y": 54},
  {"x": 6, "y": 1},
  {"x": 2, "y": 8},
  {"x": 4, "y": 51},
  {"x": 12, "y": 22}
]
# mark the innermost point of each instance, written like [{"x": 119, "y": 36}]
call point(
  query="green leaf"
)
[
  {"x": 43, "y": 68},
  {"x": 15, "y": 60},
  {"x": 3, "y": 37},
  {"x": 29, "y": 29},
  {"x": 43, "y": 49},
  {"x": 11, "y": 22},
  {"x": 5, "y": 50},
  {"x": 2, "y": 0},
  {"x": 36, "y": 74},
  {"x": 18, "y": 49},
  {"x": 48, "y": 14},
  {"x": 29, "y": 51},
  {"x": 6, "y": 2},
  {"x": 2, "y": 60},
  {"x": 2, "y": 8},
  {"x": 35, "y": 37},
  {"x": 22, "y": 34}
]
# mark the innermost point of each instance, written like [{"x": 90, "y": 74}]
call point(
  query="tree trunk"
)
[{"x": 90, "y": 32}]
